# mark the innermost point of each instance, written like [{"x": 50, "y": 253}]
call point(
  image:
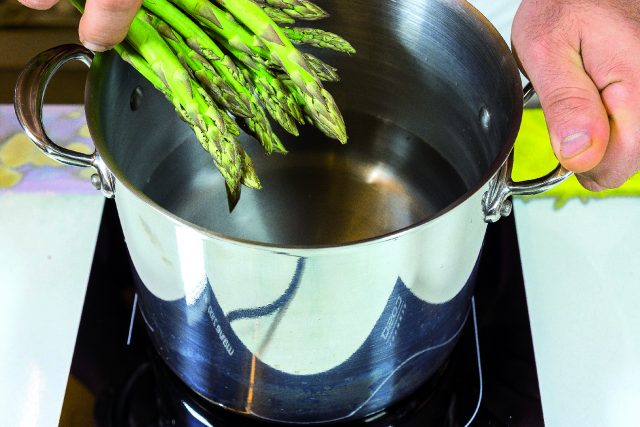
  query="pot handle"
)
[
  {"x": 29, "y": 99},
  {"x": 495, "y": 201}
]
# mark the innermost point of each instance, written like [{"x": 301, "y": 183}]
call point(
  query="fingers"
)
[
  {"x": 105, "y": 23},
  {"x": 576, "y": 116},
  {"x": 615, "y": 73},
  {"x": 39, "y": 4},
  {"x": 622, "y": 158},
  {"x": 584, "y": 65}
]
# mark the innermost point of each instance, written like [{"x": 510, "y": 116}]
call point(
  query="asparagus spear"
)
[
  {"x": 258, "y": 122},
  {"x": 246, "y": 31},
  {"x": 207, "y": 122},
  {"x": 278, "y": 15},
  {"x": 261, "y": 128},
  {"x": 206, "y": 74},
  {"x": 318, "y": 38},
  {"x": 200, "y": 42},
  {"x": 195, "y": 36},
  {"x": 249, "y": 175},
  {"x": 318, "y": 121},
  {"x": 317, "y": 102},
  {"x": 269, "y": 88},
  {"x": 299, "y": 9},
  {"x": 136, "y": 61},
  {"x": 276, "y": 98},
  {"x": 223, "y": 24},
  {"x": 267, "y": 94},
  {"x": 323, "y": 70}
]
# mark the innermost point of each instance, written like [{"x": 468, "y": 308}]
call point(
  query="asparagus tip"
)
[{"x": 233, "y": 197}]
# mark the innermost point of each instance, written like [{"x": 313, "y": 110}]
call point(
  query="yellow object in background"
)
[
  {"x": 18, "y": 151},
  {"x": 9, "y": 177},
  {"x": 77, "y": 408},
  {"x": 533, "y": 158}
]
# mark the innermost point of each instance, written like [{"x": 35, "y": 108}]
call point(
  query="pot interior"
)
[{"x": 432, "y": 102}]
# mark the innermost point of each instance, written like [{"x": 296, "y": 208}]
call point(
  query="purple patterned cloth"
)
[{"x": 24, "y": 168}]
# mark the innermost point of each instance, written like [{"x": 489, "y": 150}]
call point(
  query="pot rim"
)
[{"x": 502, "y": 156}]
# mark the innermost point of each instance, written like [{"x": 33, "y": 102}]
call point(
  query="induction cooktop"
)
[{"x": 489, "y": 380}]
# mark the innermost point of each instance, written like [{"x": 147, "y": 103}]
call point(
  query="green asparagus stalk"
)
[
  {"x": 278, "y": 15},
  {"x": 318, "y": 38},
  {"x": 317, "y": 102},
  {"x": 318, "y": 121},
  {"x": 258, "y": 122},
  {"x": 201, "y": 68},
  {"x": 175, "y": 53},
  {"x": 269, "y": 89},
  {"x": 198, "y": 40},
  {"x": 268, "y": 96},
  {"x": 207, "y": 122},
  {"x": 223, "y": 24},
  {"x": 249, "y": 175},
  {"x": 276, "y": 98},
  {"x": 252, "y": 61},
  {"x": 139, "y": 64},
  {"x": 299, "y": 9},
  {"x": 323, "y": 70},
  {"x": 261, "y": 128}
]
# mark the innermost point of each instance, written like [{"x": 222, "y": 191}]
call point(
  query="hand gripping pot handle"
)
[
  {"x": 496, "y": 203},
  {"x": 29, "y": 99}
]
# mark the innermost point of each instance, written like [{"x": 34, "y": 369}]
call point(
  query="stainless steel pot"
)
[{"x": 342, "y": 286}]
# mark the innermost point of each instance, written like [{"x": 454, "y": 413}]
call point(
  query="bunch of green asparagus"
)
[{"x": 229, "y": 61}]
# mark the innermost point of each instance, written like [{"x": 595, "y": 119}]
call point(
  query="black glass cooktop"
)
[{"x": 127, "y": 385}]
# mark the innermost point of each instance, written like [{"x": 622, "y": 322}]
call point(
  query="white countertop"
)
[
  {"x": 46, "y": 250},
  {"x": 49, "y": 220},
  {"x": 581, "y": 267}
]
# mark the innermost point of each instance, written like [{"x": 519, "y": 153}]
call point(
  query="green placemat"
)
[{"x": 534, "y": 158}]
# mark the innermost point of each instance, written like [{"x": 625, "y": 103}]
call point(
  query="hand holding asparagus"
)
[{"x": 230, "y": 60}]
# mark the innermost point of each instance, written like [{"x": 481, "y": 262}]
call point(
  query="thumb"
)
[
  {"x": 575, "y": 114},
  {"x": 105, "y": 23}
]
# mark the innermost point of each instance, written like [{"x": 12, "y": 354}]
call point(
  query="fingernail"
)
[
  {"x": 94, "y": 47},
  {"x": 574, "y": 144}
]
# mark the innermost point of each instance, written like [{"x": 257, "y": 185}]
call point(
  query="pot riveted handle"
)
[
  {"x": 29, "y": 98},
  {"x": 495, "y": 201}
]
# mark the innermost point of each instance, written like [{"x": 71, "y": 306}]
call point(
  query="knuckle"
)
[
  {"x": 609, "y": 180},
  {"x": 612, "y": 175},
  {"x": 621, "y": 161},
  {"x": 564, "y": 102},
  {"x": 589, "y": 183},
  {"x": 538, "y": 51},
  {"x": 613, "y": 69}
]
